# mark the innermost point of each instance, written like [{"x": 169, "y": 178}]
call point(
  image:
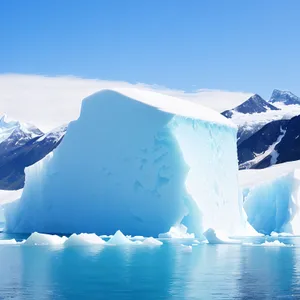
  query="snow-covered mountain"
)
[
  {"x": 285, "y": 97},
  {"x": 255, "y": 113},
  {"x": 255, "y": 104},
  {"x": 21, "y": 145},
  {"x": 276, "y": 142},
  {"x": 17, "y": 133}
]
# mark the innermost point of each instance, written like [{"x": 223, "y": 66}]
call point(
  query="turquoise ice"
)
[{"x": 135, "y": 161}]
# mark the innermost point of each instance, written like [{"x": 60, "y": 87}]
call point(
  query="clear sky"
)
[{"x": 251, "y": 46}]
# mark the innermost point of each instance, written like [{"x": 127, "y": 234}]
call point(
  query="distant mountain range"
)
[
  {"x": 284, "y": 97},
  {"x": 21, "y": 145},
  {"x": 267, "y": 133},
  {"x": 254, "y": 104}
]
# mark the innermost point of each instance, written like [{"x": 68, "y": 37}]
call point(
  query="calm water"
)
[{"x": 136, "y": 272}]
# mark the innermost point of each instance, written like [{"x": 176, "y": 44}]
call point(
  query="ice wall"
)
[
  {"x": 272, "y": 198},
  {"x": 136, "y": 161}
]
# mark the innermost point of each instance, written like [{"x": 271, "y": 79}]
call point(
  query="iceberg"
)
[
  {"x": 119, "y": 239},
  {"x": 219, "y": 237},
  {"x": 272, "y": 198},
  {"x": 152, "y": 242},
  {"x": 83, "y": 239},
  {"x": 187, "y": 248},
  {"x": 177, "y": 232},
  {"x": 44, "y": 239},
  {"x": 137, "y": 161},
  {"x": 275, "y": 243},
  {"x": 8, "y": 242}
]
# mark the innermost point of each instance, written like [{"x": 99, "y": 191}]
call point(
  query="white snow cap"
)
[{"x": 173, "y": 105}]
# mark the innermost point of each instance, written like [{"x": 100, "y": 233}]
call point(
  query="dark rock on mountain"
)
[
  {"x": 256, "y": 151},
  {"x": 289, "y": 147},
  {"x": 277, "y": 142},
  {"x": 255, "y": 104},
  {"x": 21, "y": 146}
]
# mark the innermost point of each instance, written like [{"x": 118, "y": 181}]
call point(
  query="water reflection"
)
[
  {"x": 167, "y": 272},
  {"x": 266, "y": 272}
]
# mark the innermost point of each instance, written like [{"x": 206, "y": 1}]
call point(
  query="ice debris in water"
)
[
  {"x": 104, "y": 236},
  {"x": 276, "y": 234},
  {"x": 218, "y": 237},
  {"x": 177, "y": 232},
  {"x": 275, "y": 243},
  {"x": 84, "y": 239},
  {"x": 8, "y": 242},
  {"x": 119, "y": 239},
  {"x": 137, "y": 238},
  {"x": 44, "y": 239},
  {"x": 187, "y": 248},
  {"x": 152, "y": 242}
]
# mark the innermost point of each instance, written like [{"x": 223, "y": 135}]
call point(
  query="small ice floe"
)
[
  {"x": 247, "y": 244},
  {"x": 152, "y": 242},
  {"x": 44, "y": 239},
  {"x": 137, "y": 238},
  {"x": 280, "y": 234},
  {"x": 218, "y": 237},
  {"x": 177, "y": 232},
  {"x": 187, "y": 248},
  {"x": 9, "y": 242},
  {"x": 84, "y": 239},
  {"x": 104, "y": 236},
  {"x": 275, "y": 243},
  {"x": 274, "y": 234},
  {"x": 119, "y": 239}
]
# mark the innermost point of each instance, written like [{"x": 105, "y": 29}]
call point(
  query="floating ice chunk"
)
[
  {"x": 119, "y": 239},
  {"x": 177, "y": 232},
  {"x": 84, "y": 239},
  {"x": 271, "y": 198},
  {"x": 275, "y": 243},
  {"x": 187, "y": 248},
  {"x": 247, "y": 244},
  {"x": 285, "y": 234},
  {"x": 138, "y": 238},
  {"x": 44, "y": 239},
  {"x": 8, "y": 242},
  {"x": 104, "y": 236},
  {"x": 152, "y": 242},
  {"x": 137, "y": 243},
  {"x": 218, "y": 237}
]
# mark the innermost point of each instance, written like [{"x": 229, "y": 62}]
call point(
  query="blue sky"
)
[{"x": 251, "y": 46}]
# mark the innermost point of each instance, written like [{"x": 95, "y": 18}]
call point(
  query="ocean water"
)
[{"x": 139, "y": 272}]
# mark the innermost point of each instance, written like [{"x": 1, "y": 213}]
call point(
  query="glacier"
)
[
  {"x": 272, "y": 198},
  {"x": 136, "y": 161}
]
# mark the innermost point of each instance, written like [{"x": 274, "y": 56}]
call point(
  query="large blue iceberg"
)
[
  {"x": 137, "y": 161},
  {"x": 272, "y": 198}
]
